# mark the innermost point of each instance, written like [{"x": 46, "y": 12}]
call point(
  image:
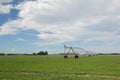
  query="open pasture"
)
[{"x": 55, "y": 67}]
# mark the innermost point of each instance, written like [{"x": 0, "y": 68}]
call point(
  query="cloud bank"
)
[{"x": 59, "y": 21}]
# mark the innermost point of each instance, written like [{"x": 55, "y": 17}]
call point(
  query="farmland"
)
[{"x": 55, "y": 67}]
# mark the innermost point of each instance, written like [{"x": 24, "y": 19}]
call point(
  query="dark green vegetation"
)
[
  {"x": 53, "y": 67},
  {"x": 41, "y": 53}
]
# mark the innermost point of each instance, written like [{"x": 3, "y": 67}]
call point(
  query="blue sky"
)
[{"x": 28, "y": 26}]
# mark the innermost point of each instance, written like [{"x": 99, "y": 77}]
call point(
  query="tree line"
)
[
  {"x": 38, "y": 53},
  {"x": 41, "y": 53}
]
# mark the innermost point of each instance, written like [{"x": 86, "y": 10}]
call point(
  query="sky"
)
[{"x": 28, "y": 26}]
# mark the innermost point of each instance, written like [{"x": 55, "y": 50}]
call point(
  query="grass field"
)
[{"x": 57, "y": 68}]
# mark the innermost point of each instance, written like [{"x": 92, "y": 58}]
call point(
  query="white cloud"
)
[
  {"x": 20, "y": 39},
  {"x": 5, "y": 9},
  {"x": 58, "y": 21},
  {"x": 13, "y": 49},
  {"x": 6, "y": 1},
  {"x": 10, "y": 27}
]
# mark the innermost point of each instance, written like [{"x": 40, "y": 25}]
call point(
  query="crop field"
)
[{"x": 55, "y": 67}]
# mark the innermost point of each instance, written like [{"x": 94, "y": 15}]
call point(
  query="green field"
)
[{"x": 55, "y": 67}]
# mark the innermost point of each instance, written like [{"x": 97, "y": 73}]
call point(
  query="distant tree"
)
[
  {"x": 34, "y": 53},
  {"x": 42, "y": 53},
  {"x": 2, "y": 53},
  {"x": 46, "y": 53}
]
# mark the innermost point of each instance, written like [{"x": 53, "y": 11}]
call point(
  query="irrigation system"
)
[{"x": 76, "y": 51}]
